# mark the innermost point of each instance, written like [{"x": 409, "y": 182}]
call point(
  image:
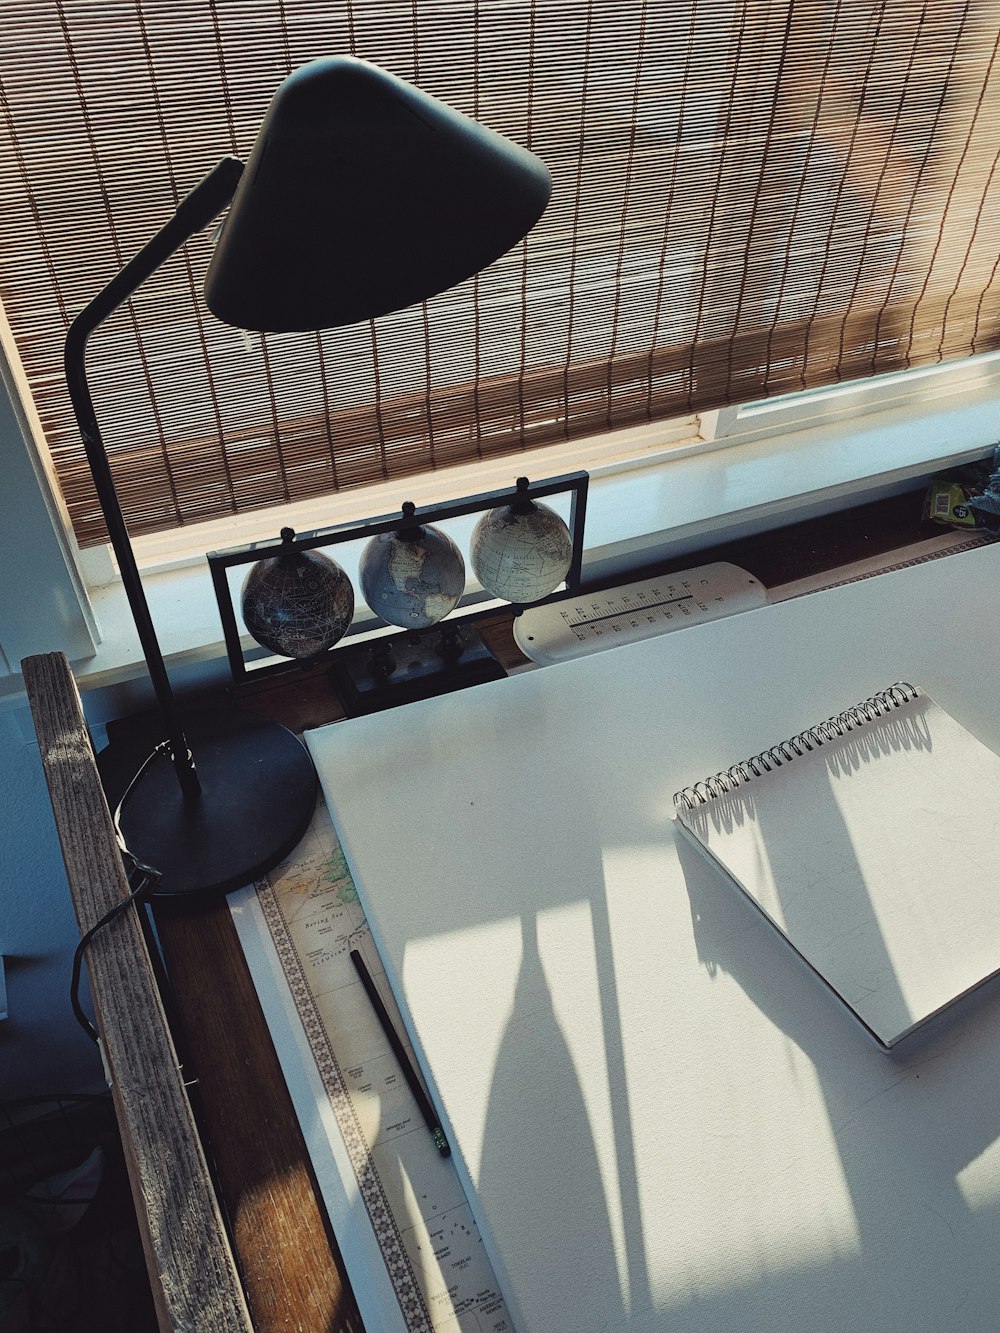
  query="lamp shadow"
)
[
  {"x": 900, "y": 1129},
  {"x": 556, "y": 1145}
]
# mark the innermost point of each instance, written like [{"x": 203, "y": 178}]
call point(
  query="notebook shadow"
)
[{"x": 905, "y": 1124}]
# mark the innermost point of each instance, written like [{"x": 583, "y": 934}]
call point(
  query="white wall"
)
[
  {"x": 43, "y": 604},
  {"x": 42, "y": 1047}
]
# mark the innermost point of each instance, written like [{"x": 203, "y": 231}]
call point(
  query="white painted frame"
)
[{"x": 44, "y": 603}]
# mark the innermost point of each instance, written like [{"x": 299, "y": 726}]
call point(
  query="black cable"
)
[
  {"x": 147, "y": 881},
  {"x": 162, "y": 748},
  {"x": 142, "y": 880}
]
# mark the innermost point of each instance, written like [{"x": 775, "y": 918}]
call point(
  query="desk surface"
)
[
  {"x": 662, "y": 1120},
  {"x": 290, "y": 1260}
]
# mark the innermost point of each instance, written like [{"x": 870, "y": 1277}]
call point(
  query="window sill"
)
[{"x": 653, "y": 510}]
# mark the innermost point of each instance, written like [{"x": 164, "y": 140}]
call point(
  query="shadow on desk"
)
[
  {"x": 663, "y": 1120},
  {"x": 908, "y": 1134},
  {"x": 567, "y": 1153},
  {"x": 718, "y": 1165}
]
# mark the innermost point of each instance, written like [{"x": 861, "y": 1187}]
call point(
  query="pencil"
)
[{"x": 409, "y": 1073}]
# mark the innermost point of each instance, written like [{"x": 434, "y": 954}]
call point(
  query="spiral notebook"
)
[{"x": 871, "y": 842}]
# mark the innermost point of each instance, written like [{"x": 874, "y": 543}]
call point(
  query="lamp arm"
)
[{"x": 194, "y": 212}]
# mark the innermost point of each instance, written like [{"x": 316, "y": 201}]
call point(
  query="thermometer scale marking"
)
[
  {"x": 561, "y": 630},
  {"x": 576, "y": 625}
]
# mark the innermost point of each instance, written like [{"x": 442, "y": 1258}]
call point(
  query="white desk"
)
[{"x": 662, "y": 1119}]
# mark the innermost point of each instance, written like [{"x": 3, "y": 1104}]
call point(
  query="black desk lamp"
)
[{"x": 362, "y": 195}]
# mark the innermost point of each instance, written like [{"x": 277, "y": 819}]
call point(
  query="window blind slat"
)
[{"x": 750, "y": 198}]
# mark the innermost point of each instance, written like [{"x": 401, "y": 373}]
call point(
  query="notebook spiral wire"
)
[{"x": 868, "y": 710}]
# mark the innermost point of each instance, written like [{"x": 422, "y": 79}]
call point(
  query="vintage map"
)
[{"x": 373, "y": 1154}]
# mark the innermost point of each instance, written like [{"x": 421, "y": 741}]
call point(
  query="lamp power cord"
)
[{"x": 142, "y": 880}]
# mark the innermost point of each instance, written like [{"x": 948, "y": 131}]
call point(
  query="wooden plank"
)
[
  {"x": 294, "y": 1274},
  {"x": 191, "y": 1266}
]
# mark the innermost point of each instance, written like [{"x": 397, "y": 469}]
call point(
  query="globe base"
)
[
  {"x": 402, "y": 668},
  {"x": 258, "y": 795}
]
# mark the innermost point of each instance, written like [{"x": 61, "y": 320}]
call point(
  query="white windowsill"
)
[
  {"x": 640, "y": 510},
  {"x": 667, "y": 508}
]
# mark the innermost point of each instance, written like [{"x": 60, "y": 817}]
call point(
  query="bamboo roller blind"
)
[{"x": 751, "y": 197}]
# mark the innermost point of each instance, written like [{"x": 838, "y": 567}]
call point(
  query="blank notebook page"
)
[{"x": 877, "y": 856}]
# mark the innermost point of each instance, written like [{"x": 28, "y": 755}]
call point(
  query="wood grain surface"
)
[
  {"x": 192, "y": 1272},
  {"x": 292, "y": 1268}
]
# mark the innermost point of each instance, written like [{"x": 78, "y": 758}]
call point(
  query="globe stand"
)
[
  {"x": 355, "y": 674},
  {"x": 421, "y": 665},
  {"x": 382, "y": 663},
  {"x": 450, "y": 645}
]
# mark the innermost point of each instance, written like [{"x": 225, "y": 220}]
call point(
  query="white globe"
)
[{"x": 521, "y": 553}]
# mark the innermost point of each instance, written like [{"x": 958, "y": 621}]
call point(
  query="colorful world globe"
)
[
  {"x": 297, "y": 604},
  {"x": 412, "y": 577}
]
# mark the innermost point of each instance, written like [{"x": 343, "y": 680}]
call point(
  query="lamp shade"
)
[{"x": 364, "y": 195}]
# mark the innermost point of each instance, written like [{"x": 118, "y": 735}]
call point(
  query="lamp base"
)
[{"x": 258, "y": 795}]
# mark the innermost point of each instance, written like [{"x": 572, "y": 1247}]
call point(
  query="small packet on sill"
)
[
  {"x": 948, "y": 503},
  {"x": 968, "y": 497}
]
